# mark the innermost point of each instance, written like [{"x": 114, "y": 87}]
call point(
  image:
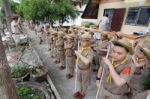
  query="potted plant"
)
[
  {"x": 39, "y": 73},
  {"x": 147, "y": 80},
  {"x": 88, "y": 24},
  {"x": 32, "y": 90},
  {"x": 20, "y": 72}
]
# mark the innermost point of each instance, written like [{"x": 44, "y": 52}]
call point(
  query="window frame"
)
[{"x": 137, "y": 17}]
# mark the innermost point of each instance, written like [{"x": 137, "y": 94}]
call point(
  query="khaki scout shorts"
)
[{"x": 105, "y": 94}]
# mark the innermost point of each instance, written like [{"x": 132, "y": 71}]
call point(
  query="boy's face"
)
[
  {"x": 119, "y": 53},
  {"x": 85, "y": 43},
  {"x": 69, "y": 40},
  {"x": 140, "y": 54},
  {"x": 103, "y": 38}
]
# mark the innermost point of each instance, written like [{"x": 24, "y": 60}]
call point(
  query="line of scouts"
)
[{"x": 123, "y": 69}]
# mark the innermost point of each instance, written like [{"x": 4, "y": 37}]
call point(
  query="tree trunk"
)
[
  {"x": 7, "y": 86},
  {"x": 7, "y": 10}
]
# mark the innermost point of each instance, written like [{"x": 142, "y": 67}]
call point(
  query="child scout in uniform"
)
[
  {"x": 53, "y": 43},
  {"x": 84, "y": 58},
  {"x": 118, "y": 70},
  {"x": 70, "y": 55},
  {"x": 102, "y": 46},
  {"x": 60, "y": 50},
  {"x": 141, "y": 61},
  {"x": 50, "y": 39}
]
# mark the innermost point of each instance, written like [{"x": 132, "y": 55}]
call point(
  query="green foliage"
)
[
  {"x": 26, "y": 92},
  {"x": 41, "y": 9},
  {"x": 87, "y": 24},
  {"x": 18, "y": 70},
  {"x": 13, "y": 6},
  {"x": 147, "y": 82},
  {"x": 65, "y": 10},
  {"x": 34, "y": 9}
]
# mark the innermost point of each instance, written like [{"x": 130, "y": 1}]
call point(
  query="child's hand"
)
[
  {"x": 77, "y": 53},
  {"x": 107, "y": 61}
]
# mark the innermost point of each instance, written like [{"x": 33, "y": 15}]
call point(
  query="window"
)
[{"x": 138, "y": 16}]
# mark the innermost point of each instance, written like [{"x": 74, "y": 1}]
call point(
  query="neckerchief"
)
[
  {"x": 109, "y": 78},
  {"x": 83, "y": 49}
]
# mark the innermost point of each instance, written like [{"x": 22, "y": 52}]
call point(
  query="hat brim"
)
[
  {"x": 85, "y": 39},
  {"x": 129, "y": 48},
  {"x": 54, "y": 34},
  {"x": 146, "y": 52},
  {"x": 69, "y": 37}
]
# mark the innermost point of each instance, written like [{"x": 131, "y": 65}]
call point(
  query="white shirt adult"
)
[
  {"x": 15, "y": 27},
  {"x": 103, "y": 23}
]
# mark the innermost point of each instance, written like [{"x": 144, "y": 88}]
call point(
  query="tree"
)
[
  {"x": 47, "y": 9},
  {"x": 65, "y": 10},
  {"x": 7, "y": 10},
  {"x": 13, "y": 6},
  {"x": 7, "y": 87},
  {"x": 34, "y": 9}
]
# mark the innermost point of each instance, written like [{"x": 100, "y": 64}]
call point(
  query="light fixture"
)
[{"x": 141, "y": 2}]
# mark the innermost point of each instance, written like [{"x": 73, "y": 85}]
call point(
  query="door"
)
[{"x": 117, "y": 19}]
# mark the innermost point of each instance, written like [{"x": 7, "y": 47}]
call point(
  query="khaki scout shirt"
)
[
  {"x": 88, "y": 54},
  {"x": 125, "y": 71},
  {"x": 102, "y": 45},
  {"x": 50, "y": 39},
  {"x": 138, "y": 69},
  {"x": 70, "y": 51},
  {"x": 60, "y": 44}
]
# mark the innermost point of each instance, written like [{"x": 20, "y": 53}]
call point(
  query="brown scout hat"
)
[
  {"x": 126, "y": 44},
  {"x": 60, "y": 33},
  {"x": 104, "y": 36},
  {"x": 70, "y": 31},
  {"x": 54, "y": 33},
  {"x": 86, "y": 36},
  {"x": 70, "y": 36},
  {"x": 146, "y": 52},
  {"x": 75, "y": 27}
]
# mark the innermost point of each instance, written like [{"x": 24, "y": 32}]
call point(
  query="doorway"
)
[{"x": 116, "y": 17}]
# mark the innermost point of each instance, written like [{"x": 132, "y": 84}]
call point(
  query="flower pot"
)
[
  {"x": 41, "y": 74},
  {"x": 37, "y": 90},
  {"x": 25, "y": 77}
]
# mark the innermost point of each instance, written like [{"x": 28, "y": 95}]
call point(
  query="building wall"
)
[{"x": 127, "y": 29}]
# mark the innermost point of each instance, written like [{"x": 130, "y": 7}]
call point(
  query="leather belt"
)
[
  {"x": 69, "y": 56},
  {"x": 60, "y": 50},
  {"x": 16, "y": 33},
  {"x": 84, "y": 68},
  {"x": 137, "y": 73},
  {"x": 112, "y": 92}
]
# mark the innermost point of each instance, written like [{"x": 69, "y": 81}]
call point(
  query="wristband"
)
[{"x": 98, "y": 78}]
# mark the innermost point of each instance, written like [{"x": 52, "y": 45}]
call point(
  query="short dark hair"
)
[{"x": 106, "y": 15}]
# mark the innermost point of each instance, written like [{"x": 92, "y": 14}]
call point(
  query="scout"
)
[
  {"x": 60, "y": 50},
  {"x": 101, "y": 48},
  {"x": 50, "y": 39},
  {"x": 70, "y": 58},
  {"x": 47, "y": 30},
  {"x": 40, "y": 32},
  {"x": 118, "y": 70},
  {"x": 141, "y": 61},
  {"x": 84, "y": 59},
  {"x": 53, "y": 44}
]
